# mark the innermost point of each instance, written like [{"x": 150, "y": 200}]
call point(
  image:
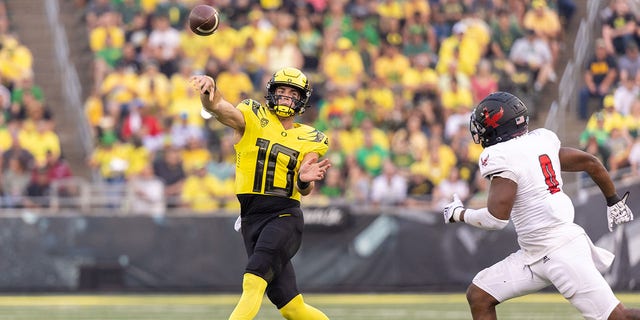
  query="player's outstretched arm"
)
[
  {"x": 502, "y": 194},
  {"x": 618, "y": 211},
  {"x": 574, "y": 160},
  {"x": 214, "y": 103}
]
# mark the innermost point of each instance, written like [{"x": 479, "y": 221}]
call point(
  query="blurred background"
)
[{"x": 111, "y": 180}]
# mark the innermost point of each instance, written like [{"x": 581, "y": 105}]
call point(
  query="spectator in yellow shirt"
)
[
  {"x": 16, "y": 60},
  {"x": 612, "y": 118},
  {"x": 94, "y": 110},
  {"x": 390, "y": 9},
  {"x": 110, "y": 158},
  {"x": 343, "y": 67},
  {"x": 416, "y": 7},
  {"x": 179, "y": 81},
  {"x": 120, "y": 86},
  {"x": 341, "y": 131},
  {"x": 107, "y": 33},
  {"x": 456, "y": 97},
  {"x": 258, "y": 29},
  {"x": 368, "y": 128},
  {"x": 226, "y": 41},
  {"x": 234, "y": 84},
  {"x": 420, "y": 81},
  {"x": 189, "y": 105},
  {"x": 40, "y": 141},
  {"x": 391, "y": 65},
  {"x": 436, "y": 163},
  {"x": 338, "y": 103},
  {"x": 138, "y": 157},
  {"x": 149, "y": 6},
  {"x": 546, "y": 24},
  {"x": 461, "y": 48},
  {"x": 409, "y": 140},
  {"x": 154, "y": 87},
  {"x": 377, "y": 93},
  {"x": 194, "y": 154},
  {"x": 201, "y": 190}
]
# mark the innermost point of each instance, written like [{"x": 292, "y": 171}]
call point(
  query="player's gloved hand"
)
[
  {"x": 617, "y": 210},
  {"x": 452, "y": 210},
  {"x": 238, "y": 224}
]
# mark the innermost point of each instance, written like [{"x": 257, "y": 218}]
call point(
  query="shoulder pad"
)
[{"x": 312, "y": 134}]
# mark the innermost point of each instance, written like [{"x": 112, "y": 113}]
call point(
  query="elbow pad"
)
[{"x": 483, "y": 219}]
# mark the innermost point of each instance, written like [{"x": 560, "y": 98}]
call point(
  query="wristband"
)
[
  {"x": 456, "y": 214},
  {"x": 612, "y": 200},
  {"x": 303, "y": 185}
]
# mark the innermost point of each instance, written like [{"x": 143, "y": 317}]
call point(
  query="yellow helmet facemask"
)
[{"x": 284, "y": 111}]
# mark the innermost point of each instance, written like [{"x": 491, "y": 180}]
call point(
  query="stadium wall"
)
[{"x": 381, "y": 251}]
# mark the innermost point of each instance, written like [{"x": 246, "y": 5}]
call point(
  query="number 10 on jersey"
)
[{"x": 268, "y": 160}]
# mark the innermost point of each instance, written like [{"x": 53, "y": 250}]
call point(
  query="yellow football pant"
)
[
  {"x": 296, "y": 309},
  {"x": 253, "y": 288}
]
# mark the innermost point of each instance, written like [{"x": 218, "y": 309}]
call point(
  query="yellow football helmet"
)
[{"x": 293, "y": 78}]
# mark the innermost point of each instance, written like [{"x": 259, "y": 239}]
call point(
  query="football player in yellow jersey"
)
[{"x": 277, "y": 161}]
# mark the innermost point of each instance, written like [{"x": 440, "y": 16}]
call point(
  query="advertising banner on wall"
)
[{"x": 344, "y": 250}]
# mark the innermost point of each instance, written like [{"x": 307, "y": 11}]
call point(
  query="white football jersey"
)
[{"x": 542, "y": 213}]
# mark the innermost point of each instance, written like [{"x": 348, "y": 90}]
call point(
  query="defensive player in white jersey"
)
[{"x": 526, "y": 186}]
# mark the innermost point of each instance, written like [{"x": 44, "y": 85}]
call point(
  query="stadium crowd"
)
[
  {"x": 31, "y": 153},
  {"x": 394, "y": 82},
  {"x": 612, "y": 85}
]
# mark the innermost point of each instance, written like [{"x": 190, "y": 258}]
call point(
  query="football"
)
[{"x": 203, "y": 20}]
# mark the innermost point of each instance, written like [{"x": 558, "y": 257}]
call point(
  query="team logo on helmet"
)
[{"x": 492, "y": 120}]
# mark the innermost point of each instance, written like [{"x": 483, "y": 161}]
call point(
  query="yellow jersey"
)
[{"x": 268, "y": 156}]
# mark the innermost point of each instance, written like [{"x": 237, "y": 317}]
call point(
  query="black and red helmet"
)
[{"x": 499, "y": 117}]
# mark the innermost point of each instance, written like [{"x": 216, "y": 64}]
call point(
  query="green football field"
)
[{"x": 214, "y": 307}]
